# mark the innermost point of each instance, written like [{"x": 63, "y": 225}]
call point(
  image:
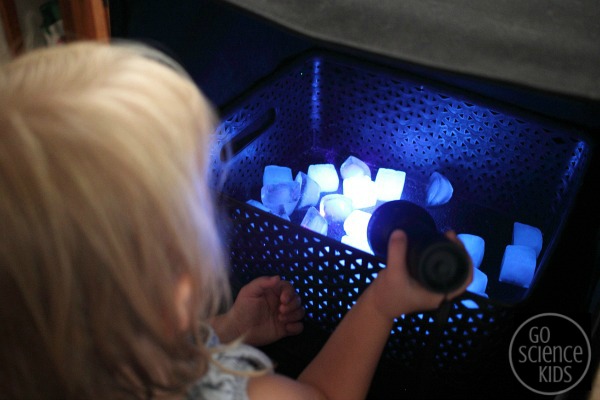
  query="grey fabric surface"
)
[{"x": 550, "y": 45}]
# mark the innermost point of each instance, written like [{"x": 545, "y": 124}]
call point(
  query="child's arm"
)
[{"x": 344, "y": 368}]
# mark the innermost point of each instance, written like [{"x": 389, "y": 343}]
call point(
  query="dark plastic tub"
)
[{"x": 505, "y": 166}]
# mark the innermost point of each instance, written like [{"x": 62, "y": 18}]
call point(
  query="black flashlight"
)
[{"x": 435, "y": 261}]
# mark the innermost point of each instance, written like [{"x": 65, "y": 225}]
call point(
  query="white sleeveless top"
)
[{"x": 218, "y": 384}]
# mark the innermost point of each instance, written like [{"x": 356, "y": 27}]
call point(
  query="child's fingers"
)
[
  {"x": 397, "y": 250},
  {"x": 292, "y": 304},
  {"x": 292, "y": 316},
  {"x": 294, "y": 328},
  {"x": 287, "y": 293}
]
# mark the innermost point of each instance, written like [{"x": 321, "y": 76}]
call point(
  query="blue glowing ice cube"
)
[
  {"x": 281, "y": 198},
  {"x": 389, "y": 184},
  {"x": 439, "y": 190},
  {"x": 314, "y": 221},
  {"x": 361, "y": 189},
  {"x": 475, "y": 246},
  {"x": 258, "y": 205},
  {"x": 527, "y": 235},
  {"x": 518, "y": 265},
  {"x": 276, "y": 174},
  {"x": 354, "y": 167},
  {"x": 357, "y": 242},
  {"x": 326, "y": 176},
  {"x": 470, "y": 304},
  {"x": 479, "y": 283},
  {"x": 336, "y": 207},
  {"x": 310, "y": 191},
  {"x": 356, "y": 224}
]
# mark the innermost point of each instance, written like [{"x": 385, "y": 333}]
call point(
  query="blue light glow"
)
[
  {"x": 475, "y": 246},
  {"x": 389, "y": 184},
  {"x": 310, "y": 191},
  {"x": 281, "y": 198},
  {"x": 314, "y": 221},
  {"x": 518, "y": 265},
  {"x": 356, "y": 224},
  {"x": 276, "y": 174},
  {"x": 527, "y": 235},
  {"x": 439, "y": 190},
  {"x": 357, "y": 242},
  {"x": 361, "y": 189},
  {"x": 326, "y": 176},
  {"x": 336, "y": 207},
  {"x": 479, "y": 283},
  {"x": 316, "y": 96},
  {"x": 470, "y": 304},
  {"x": 354, "y": 167},
  {"x": 258, "y": 205}
]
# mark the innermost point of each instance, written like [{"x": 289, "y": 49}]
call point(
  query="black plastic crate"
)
[{"x": 505, "y": 166}]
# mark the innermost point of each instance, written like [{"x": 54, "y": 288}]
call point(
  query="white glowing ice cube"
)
[
  {"x": 439, "y": 190},
  {"x": 314, "y": 221},
  {"x": 281, "y": 198},
  {"x": 518, "y": 265},
  {"x": 354, "y": 167},
  {"x": 361, "y": 189},
  {"x": 336, "y": 207},
  {"x": 276, "y": 174},
  {"x": 326, "y": 176},
  {"x": 475, "y": 246},
  {"x": 479, "y": 283},
  {"x": 310, "y": 191},
  {"x": 357, "y": 242},
  {"x": 528, "y": 235},
  {"x": 356, "y": 224},
  {"x": 389, "y": 184}
]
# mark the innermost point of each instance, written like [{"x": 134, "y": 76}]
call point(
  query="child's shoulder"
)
[{"x": 229, "y": 371}]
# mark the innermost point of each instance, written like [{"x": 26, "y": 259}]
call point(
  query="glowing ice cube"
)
[
  {"x": 528, "y": 235},
  {"x": 281, "y": 198},
  {"x": 314, "y": 221},
  {"x": 276, "y": 174},
  {"x": 258, "y": 205},
  {"x": 336, "y": 207},
  {"x": 357, "y": 242},
  {"x": 389, "y": 184},
  {"x": 354, "y": 167},
  {"x": 475, "y": 246},
  {"x": 282, "y": 214},
  {"x": 518, "y": 265},
  {"x": 479, "y": 283},
  {"x": 439, "y": 190},
  {"x": 325, "y": 175},
  {"x": 310, "y": 191},
  {"x": 356, "y": 224},
  {"x": 470, "y": 304},
  {"x": 361, "y": 189}
]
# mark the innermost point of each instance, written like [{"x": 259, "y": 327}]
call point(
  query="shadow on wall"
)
[{"x": 216, "y": 44}]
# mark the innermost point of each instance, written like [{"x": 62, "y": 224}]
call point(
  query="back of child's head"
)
[{"x": 104, "y": 207}]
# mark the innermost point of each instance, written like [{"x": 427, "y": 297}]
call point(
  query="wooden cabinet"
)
[
  {"x": 82, "y": 19},
  {"x": 85, "y": 19}
]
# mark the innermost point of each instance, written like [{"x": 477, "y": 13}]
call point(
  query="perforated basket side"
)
[
  {"x": 505, "y": 166},
  {"x": 330, "y": 276}
]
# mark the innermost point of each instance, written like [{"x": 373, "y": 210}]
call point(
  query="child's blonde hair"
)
[{"x": 104, "y": 207}]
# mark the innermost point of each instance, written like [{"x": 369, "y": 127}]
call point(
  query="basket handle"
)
[{"x": 248, "y": 134}]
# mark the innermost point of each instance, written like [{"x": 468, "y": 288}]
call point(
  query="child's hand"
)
[
  {"x": 396, "y": 292},
  {"x": 265, "y": 310}
]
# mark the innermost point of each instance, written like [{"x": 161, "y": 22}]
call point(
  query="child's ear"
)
[{"x": 183, "y": 295}]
